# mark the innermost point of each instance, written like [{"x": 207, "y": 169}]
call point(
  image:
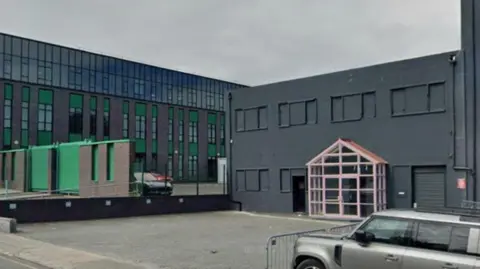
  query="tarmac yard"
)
[{"x": 219, "y": 240}]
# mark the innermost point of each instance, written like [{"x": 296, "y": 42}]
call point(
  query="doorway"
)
[{"x": 299, "y": 193}]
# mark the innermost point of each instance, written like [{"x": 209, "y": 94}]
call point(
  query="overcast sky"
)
[{"x": 247, "y": 41}]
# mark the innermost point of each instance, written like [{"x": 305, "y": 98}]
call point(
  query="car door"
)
[
  {"x": 437, "y": 245},
  {"x": 385, "y": 251}
]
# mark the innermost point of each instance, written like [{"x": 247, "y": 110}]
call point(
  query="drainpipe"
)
[{"x": 230, "y": 156}]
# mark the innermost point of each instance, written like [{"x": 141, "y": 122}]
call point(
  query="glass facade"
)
[{"x": 51, "y": 65}]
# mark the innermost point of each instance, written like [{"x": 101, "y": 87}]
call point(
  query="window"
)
[
  {"x": 418, "y": 99},
  {"x": 154, "y": 122},
  {"x": 389, "y": 230},
  {"x": 193, "y": 132},
  {"x": 44, "y": 117},
  {"x": 75, "y": 122},
  {"x": 7, "y": 115},
  {"x": 181, "y": 125},
  {"x": 192, "y": 166},
  {"x": 25, "y": 116},
  {"x": 192, "y": 97},
  {"x": 222, "y": 136},
  {"x": 252, "y": 180},
  {"x": 251, "y": 119},
  {"x": 180, "y": 166},
  {"x": 125, "y": 109},
  {"x": 297, "y": 113},
  {"x": 210, "y": 99},
  {"x": 93, "y": 117},
  {"x": 353, "y": 107},
  {"x": 433, "y": 236},
  {"x": 140, "y": 127},
  {"x": 212, "y": 133},
  {"x": 106, "y": 118}
]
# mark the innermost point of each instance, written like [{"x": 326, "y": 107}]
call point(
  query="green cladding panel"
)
[
  {"x": 140, "y": 146},
  {"x": 93, "y": 103},
  {"x": 68, "y": 167},
  {"x": 212, "y": 150},
  {"x": 140, "y": 109},
  {"x": 8, "y": 91},
  {"x": 76, "y": 101},
  {"x": 40, "y": 168},
  {"x": 44, "y": 138},
  {"x": 45, "y": 96},
  {"x": 106, "y": 104},
  {"x": 193, "y": 116},
  {"x": 212, "y": 118}
]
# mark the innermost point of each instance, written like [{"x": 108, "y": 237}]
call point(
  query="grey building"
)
[
  {"x": 50, "y": 93},
  {"x": 419, "y": 115}
]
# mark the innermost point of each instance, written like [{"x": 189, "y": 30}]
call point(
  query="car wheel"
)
[{"x": 310, "y": 264}]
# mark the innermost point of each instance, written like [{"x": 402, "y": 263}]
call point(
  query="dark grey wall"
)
[{"x": 419, "y": 136}]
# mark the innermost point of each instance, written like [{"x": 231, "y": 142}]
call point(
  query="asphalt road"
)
[{"x": 13, "y": 263}]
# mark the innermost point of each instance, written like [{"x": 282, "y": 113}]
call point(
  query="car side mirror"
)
[{"x": 363, "y": 237}]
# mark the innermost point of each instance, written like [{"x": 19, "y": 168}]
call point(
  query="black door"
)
[{"x": 299, "y": 192}]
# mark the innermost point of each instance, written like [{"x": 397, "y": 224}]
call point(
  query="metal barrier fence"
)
[{"x": 280, "y": 247}]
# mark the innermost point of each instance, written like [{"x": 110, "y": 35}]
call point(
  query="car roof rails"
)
[{"x": 468, "y": 211}]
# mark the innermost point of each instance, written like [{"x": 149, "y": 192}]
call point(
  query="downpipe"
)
[{"x": 230, "y": 156}]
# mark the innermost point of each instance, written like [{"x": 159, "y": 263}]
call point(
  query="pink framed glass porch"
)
[{"x": 346, "y": 181}]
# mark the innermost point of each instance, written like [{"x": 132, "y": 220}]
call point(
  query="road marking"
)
[
  {"x": 17, "y": 262},
  {"x": 289, "y": 218}
]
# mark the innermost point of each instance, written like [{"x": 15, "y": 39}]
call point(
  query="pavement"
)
[
  {"x": 23, "y": 253},
  {"x": 7, "y": 262},
  {"x": 214, "y": 240}
]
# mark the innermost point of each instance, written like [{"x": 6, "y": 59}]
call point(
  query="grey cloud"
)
[{"x": 247, "y": 41}]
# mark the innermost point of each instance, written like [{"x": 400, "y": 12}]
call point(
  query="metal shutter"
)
[{"x": 429, "y": 184}]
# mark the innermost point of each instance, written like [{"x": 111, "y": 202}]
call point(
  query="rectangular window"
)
[
  {"x": 418, "y": 99},
  {"x": 170, "y": 124},
  {"x": 180, "y": 166},
  {"x": 140, "y": 128},
  {"x": 106, "y": 119},
  {"x": 25, "y": 116},
  {"x": 45, "y": 117},
  {"x": 125, "y": 121},
  {"x": 75, "y": 117},
  {"x": 192, "y": 167},
  {"x": 93, "y": 117},
  {"x": 353, "y": 107},
  {"x": 154, "y": 122},
  {"x": 222, "y": 136},
  {"x": 212, "y": 128},
  {"x": 7, "y": 116},
  {"x": 181, "y": 125},
  {"x": 193, "y": 127},
  {"x": 251, "y": 119},
  {"x": 192, "y": 97}
]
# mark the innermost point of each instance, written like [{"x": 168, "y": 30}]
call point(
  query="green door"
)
[
  {"x": 69, "y": 167},
  {"x": 39, "y": 169}
]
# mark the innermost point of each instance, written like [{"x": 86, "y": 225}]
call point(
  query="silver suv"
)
[{"x": 396, "y": 239}]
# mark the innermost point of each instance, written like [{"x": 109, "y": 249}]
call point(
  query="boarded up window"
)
[
  {"x": 252, "y": 180},
  {"x": 262, "y": 118},
  {"x": 352, "y": 107},
  {"x": 264, "y": 180},
  {"x": 240, "y": 180},
  {"x": 416, "y": 99},
  {"x": 285, "y": 181},
  {"x": 437, "y": 96},
  {"x": 251, "y": 119},
  {"x": 398, "y": 101},
  {"x": 297, "y": 113},
  {"x": 369, "y": 105},
  {"x": 337, "y": 109},
  {"x": 240, "y": 120},
  {"x": 311, "y": 111},
  {"x": 284, "y": 114}
]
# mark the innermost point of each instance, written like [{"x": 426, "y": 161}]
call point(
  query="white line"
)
[
  {"x": 288, "y": 218},
  {"x": 18, "y": 262}
]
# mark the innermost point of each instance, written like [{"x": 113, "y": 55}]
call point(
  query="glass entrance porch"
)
[{"x": 346, "y": 181}]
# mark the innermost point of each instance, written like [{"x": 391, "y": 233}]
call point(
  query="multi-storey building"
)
[{"x": 54, "y": 94}]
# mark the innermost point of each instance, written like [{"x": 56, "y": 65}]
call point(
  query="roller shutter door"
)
[{"x": 429, "y": 186}]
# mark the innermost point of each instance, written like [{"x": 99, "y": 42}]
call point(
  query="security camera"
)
[{"x": 452, "y": 59}]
